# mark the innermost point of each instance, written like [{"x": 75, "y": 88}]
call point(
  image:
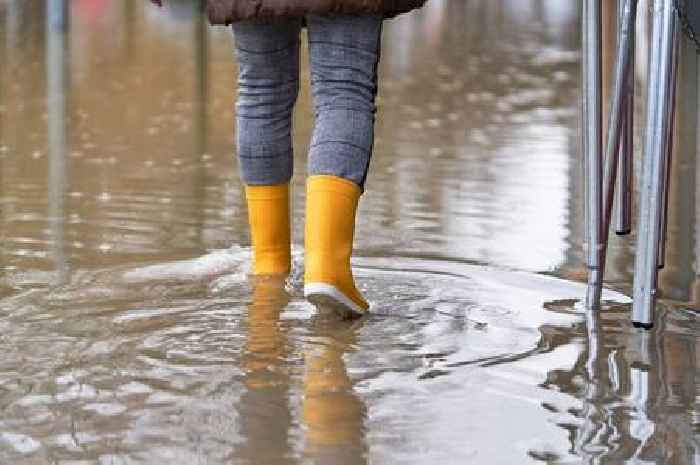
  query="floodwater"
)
[{"x": 132, "y": 333}]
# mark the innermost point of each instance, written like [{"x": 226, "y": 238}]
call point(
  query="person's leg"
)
[
  {"x": 344, "y": 52},
  {"x": 268, "y": 85}
]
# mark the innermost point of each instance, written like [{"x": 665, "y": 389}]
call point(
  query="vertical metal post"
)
[
  {"x": 669, "y": 151},
  {"x": 56, "y": 29},
  {"x": 592, "y": 144},
  {"x": 613, "y": 146},
  {"x": 3, "y": 72},
  {"x": 625, "y": 186},
  {"x": 201, "y": 52},
  {"x": 655, "y": 146}
]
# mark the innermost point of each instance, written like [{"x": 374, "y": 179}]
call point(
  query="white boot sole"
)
[{"x": 328, "y": 297}]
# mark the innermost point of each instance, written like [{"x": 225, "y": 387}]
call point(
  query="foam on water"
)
[{"x": 215, "y": 263}]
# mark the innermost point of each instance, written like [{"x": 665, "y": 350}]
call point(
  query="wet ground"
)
[{"x": 131, "y": 332}]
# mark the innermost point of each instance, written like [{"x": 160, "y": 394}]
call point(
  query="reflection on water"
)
[
  {"x": 132, "y": 333},
  {"x": 264, "y": 408}
]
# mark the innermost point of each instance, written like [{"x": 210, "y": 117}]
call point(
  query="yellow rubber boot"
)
[
  {"x": 268, "y": 216},
  {"x": 331, "y": 205}
]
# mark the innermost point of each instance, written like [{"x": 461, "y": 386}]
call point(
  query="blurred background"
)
[{"x": 475, "y": 158}]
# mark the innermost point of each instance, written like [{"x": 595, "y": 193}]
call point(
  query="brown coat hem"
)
[{"x": 229, "y": 11}]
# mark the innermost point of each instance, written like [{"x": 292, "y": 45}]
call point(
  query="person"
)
[{"x": 344, "y": 39}]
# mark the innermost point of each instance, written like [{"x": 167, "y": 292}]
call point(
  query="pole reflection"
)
[
  {"x": 638, "y": 395},
  {"x": 8, "y": 136}
]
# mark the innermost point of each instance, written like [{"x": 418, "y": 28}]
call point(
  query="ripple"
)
[{"x": 20, "y": 443}]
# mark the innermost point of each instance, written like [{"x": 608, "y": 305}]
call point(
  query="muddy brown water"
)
[{"x": 131, "y": 332}]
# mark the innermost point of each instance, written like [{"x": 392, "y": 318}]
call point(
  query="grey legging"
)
[{"x": 344, "y": 51}]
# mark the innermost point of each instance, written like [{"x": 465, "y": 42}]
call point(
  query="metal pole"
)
[
  {"x": 4, "y": 27},
  {"x": 669, "y": 151},
  {"x": 592, "y": 143},
  {"x": 201, "y": 49},
  {"x": 625, "y": 187},
  {"x": 615, "y": 121},
  {"x": 655, "y": 146},
  {"x": 56, "y": 29}
]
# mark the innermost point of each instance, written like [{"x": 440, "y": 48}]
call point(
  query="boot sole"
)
[{"x": 327, "y": 297}]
